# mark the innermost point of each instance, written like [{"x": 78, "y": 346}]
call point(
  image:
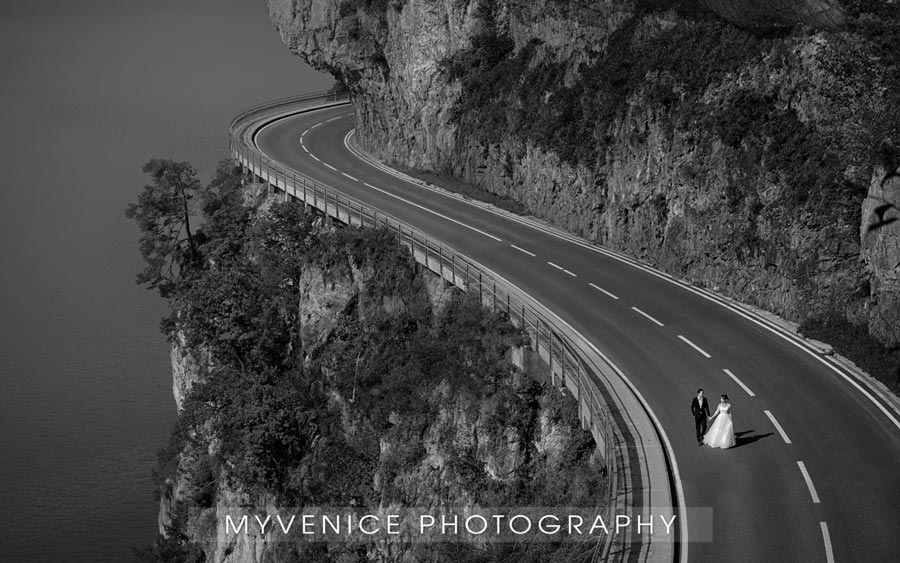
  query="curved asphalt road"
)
[{"x": 825, "y": 485}]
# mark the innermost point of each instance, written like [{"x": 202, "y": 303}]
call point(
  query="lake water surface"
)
[{"x": 90, "y": 91}]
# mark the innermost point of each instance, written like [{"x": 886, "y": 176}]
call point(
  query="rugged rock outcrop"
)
[
  {"x": 428, "y": 467},
  {"x": 356, "y": 422},
  {"x": 743, "y": 145}
]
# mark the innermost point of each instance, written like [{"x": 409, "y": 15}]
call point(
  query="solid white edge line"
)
[
  {"x": 349, "y": 176},
  {"x": 739, "y": 382},
  {"x": 431, "y": 211},
  {"x": 648, "y": 316},
  {"x": 826, "y": 537},
  {"x": 694, "y": 346},
  {"x": 778, "y": 427},
  {"x": 667, "y": 444},
  {"x": 676, "y": 473},
  {"x": 555, "y": 266},
  {"x": 598, "y": 288},
  {"x": 782, "y": 333},
  {"x": 523, "y": 250},
  {"x": 809, "y": 483}
]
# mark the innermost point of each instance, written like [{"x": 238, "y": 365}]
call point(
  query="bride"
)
[{"x": 721, "y": 432}]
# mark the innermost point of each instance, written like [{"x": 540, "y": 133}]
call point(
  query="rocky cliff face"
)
[
  {"x": 745, "y": 146},
  {"x": 354, "y": 426},
  {"x": 428, "y": 467}
]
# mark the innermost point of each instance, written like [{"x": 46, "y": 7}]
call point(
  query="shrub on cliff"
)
[
  {"x": 175, "y": 546},
  {"x": 281, "y": 405},
  {"x": 505, "y": 93}
]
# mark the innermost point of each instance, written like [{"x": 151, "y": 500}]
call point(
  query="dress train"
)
[{"x": 721, "y": 432}]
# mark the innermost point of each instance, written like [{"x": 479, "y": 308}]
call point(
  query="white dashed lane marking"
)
[
  {"x": 826, "y": 537},
  {"x": 598, "y": 288},
  {"x": 556, "y": 266},
  {"x": 809, "y": 483},
  {"x": 423, "y": 208},
  {"x": 739, "y": 382},
  {"x": 638, "y": 311},
  {"x": 694, "y": 346},
  {"x": 778, "y": 427},
  {"x": 523, "y": 250}
]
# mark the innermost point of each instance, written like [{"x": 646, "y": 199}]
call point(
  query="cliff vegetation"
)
[
  {"x": 318, "y": 366},
  {"x": 749, "y": 147}
]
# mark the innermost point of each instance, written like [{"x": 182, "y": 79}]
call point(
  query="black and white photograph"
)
[{"x": 487, "y": 281}]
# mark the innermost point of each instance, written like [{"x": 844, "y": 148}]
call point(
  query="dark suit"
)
[{"x": 701, "y": 415}]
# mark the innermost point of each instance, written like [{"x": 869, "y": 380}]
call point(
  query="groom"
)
[{"x": 700, "y": 410}]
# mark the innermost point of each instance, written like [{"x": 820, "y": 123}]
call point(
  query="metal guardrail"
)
[
  {"x": 251, "y": 115},
  {"x": 567, "y": 366}
]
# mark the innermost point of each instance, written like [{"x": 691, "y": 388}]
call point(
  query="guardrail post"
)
[
  {"x": 453, "y": 268},
  {"x": 493, "y": 297},
  {"x": 553, "y": 379},
  {"x": 588, "y": 415},
  {"x": 480, "y": 292}
]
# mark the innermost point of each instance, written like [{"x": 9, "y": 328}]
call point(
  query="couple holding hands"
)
[{"x": 721, "y": 433}]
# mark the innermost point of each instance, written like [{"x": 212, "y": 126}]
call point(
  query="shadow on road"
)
[{"x": 743, "y": 438}]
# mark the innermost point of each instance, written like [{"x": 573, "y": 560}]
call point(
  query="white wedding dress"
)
[{"x": 721, "y": 433}]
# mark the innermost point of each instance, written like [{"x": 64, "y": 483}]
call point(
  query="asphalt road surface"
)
[{"x": 815, "y": 475}]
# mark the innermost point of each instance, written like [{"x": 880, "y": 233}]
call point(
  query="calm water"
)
[{"x": 90, "y": 90}]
